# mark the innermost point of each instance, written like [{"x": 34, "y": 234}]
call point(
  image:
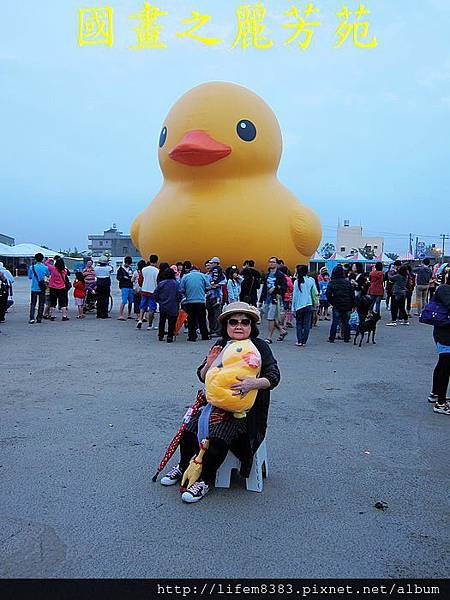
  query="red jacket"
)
[
  {"x": 79, "y": 289},
  {"x": 376, "y": 283}
]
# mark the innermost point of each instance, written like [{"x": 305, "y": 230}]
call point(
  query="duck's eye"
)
[
  {"x": 246, "y": 130},
  {"x": 163, "y": 137}
]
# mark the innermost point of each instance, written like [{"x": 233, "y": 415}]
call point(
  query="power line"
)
[{"x": 392, "y": 234}]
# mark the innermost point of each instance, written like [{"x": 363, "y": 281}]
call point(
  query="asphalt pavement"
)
[{"x": 88, "y": 408}]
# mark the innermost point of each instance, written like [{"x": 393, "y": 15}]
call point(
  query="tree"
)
[
  {"x": 367, "y": 253},
  {"x": 327, "y": 250},
  {"x": 392, "y": 255}
]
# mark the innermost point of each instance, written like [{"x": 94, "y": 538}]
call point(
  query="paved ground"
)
[{"x": 88, "y": 408}]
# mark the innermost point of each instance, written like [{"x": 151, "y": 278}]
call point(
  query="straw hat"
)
[
  {"x": 240, "y": 307},
  {"x": 103, "y": 259}
]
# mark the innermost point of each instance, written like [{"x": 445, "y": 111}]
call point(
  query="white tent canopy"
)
[
  {"x": 384, "y": 259},
  {"x": 26, "y": 251}
]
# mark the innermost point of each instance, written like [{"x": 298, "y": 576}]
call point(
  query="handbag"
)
[
  {"x": 41, "y": 283},
  {"x": 67, "y": 283},
  {"x": 435, "y": 314},
  {"x": 354, "y": 321}
]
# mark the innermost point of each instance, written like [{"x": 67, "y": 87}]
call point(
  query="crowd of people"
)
[{"x": 193, "y": 299}]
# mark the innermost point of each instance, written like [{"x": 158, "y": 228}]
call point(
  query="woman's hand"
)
[
  {"x": 244, "y": 385},
  {"x": 213, "y": 354}
]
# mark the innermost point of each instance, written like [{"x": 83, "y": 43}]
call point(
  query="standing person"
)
[
  {"x": 137, "y": 281},
  {"x": 168, "y": 295},
  {"x": 341, "y": 296},
  {"x": 441, "y": 337},
  {"x": 251, "y": 283},
  {"x": 58, "y": 285},
  {"x": 90, "y": 281},
  {"x": 162, "y": 267},
  {"x": 399, "y": 280},
  {"x": 194, "y": 286},
  {"x": 433, "y": 285},
  {"x": 274, "y": 288},
  {"x": 389, "y": 285},
  {"x": 234, "y": 285},
  {"x": 323, "y": 302},
  {"x": 4, "y": 294},
  {"x": 376, "y": 288},
  {"x": 79, "y": 293},
  {"x": 361, "y": 280},
  {"x": 149, "y": 283},
  {"x": 176, "y": 271},
  {"x": 39, "y": 275},
  {"x": 423, "y": 276},
  {"x": 410, "y": 285},
  {"x": 10, "y": 279},
  {"x": 125, "y": 278},
  {"x": 46, "y": 314},
  {"x": 287, "y": 298},
  {"x": 352, "y": 273},
  {"x": 303, "y": 303},
  {"x": 103, "y": 287},
  {"x": 316, "y": 291},
  {"x": 214, "y": 296},
  {"x": 180, "y": 267}
]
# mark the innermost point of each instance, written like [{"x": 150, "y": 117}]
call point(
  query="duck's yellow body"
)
[
  {"x": 238, "y": 359},
  {"x": 221, "y": 195}
]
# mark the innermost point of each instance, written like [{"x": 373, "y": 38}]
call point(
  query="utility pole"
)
[{"x": 444, "y": 237}]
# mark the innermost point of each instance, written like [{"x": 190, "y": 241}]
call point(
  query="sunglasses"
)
[{"x": 234, "y": 322}]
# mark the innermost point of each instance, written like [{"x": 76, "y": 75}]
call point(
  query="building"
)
[
  {"x": 6, "y": 239},
  {"x": 350, "y": 239},
  {"x": 114, "y": 242}
]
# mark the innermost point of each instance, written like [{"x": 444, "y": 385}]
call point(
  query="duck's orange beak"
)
[{"x": 197, "y": 149}]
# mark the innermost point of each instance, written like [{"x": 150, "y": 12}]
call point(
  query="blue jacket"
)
[
  {"x": 41, "y": 271},
  {"x": 168, "y": 295},
  {"x": 194, "y": 286}
]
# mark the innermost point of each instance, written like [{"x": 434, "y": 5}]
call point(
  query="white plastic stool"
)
[{"x": 254, "y": 481}]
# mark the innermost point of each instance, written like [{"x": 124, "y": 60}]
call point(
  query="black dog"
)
[{"x": 368, "y": 326}]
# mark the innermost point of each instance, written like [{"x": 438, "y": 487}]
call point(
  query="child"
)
[
  {"x": 79, "y": 293},
  {"x": 324, "y": 304}
]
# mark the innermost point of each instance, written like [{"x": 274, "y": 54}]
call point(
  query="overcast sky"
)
[{"x": 366, "y": 131}]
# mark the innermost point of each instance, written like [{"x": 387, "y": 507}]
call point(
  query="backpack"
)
[{"x": 435, "y": 314}]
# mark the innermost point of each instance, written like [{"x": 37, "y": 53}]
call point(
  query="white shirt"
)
[
  {"x": 149, "y": 274},
  {"x": 103, "y": 271}
]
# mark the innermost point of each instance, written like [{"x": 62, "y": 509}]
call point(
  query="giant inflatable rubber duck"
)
[{"x": 219, "y": 151}]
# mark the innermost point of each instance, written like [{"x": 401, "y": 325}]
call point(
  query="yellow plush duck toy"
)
[
  {"x": 219, "y": 151},
  {"x": 237, "y": 359}
]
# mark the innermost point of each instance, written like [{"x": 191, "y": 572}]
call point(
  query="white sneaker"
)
[
  {"x": 196, "y": 492},
  {"x": 393, "y": 324},
  {"x": 443, "y": 409},
  {"x": 172, "y": 477},
  {"x": 405, "y": 322},
  {"x": 433, "y": 398}
]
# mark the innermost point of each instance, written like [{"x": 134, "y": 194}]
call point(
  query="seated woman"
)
[{"x": 228, "y": 430}]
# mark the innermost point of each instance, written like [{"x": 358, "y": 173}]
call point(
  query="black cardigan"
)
[{"x": 246, "y": 445}]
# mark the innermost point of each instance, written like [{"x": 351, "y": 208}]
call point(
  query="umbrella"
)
[
  {"x": 199, "y": 402},
  {"x": 181, "y": 320},
  {"x": 442, "y": 267}
]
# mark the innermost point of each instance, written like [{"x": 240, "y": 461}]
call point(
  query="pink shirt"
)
[{"x": 57, "y": 280}]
